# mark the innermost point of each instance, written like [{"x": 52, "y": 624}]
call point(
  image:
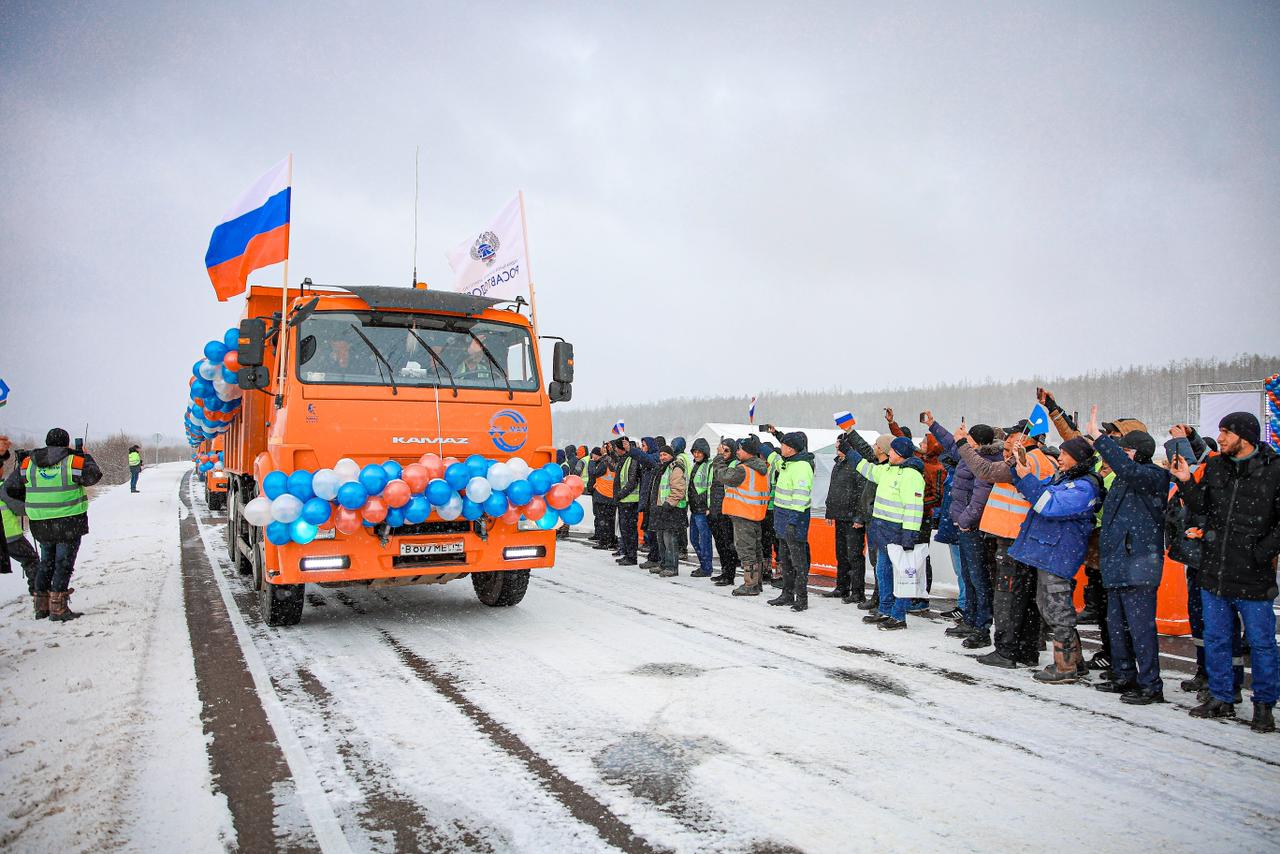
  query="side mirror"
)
[
  {"x": 252, "y": 342},
  {"x": 253, "y": 378},
  {"x": 562, "y": 363},
  {"x": 560, "y": 392}
]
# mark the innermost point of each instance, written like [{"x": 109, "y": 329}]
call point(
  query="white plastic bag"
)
[{"x": 910, "y": 581}]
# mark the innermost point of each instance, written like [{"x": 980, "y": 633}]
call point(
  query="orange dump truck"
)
[
  {"x": 375, "y": 374},
  {"x": 215, "y": 479}
]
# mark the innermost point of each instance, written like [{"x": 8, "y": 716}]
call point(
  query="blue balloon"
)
[
  {"x": 229, "y": 376},
  {"x": 231, "y": 339},
  {"x": 519, "y": 492},
  {"x": 204, "y": 467},
  {"x": 477, "y": 464},
  {"x": 373, "y": 478},
  {"x": 554, "y": 472},
  {"x": 417, "y": 510},
  {"x": 300, "y": 485},
  {"x": 215, "y": 351},
  {"x": 439, "y": 492},
  {"x": 195, "y": 369},
  {"x": 317, "y": 511},
  {"x": 496, "y": 504},
  {"x": 275, "y": 484},
  {"x": 393, "y": 469},
  {"x": 202, "y": 389},
  {"x": 302, "y": 532},
  {"x": 572, "y": 514},
  {"x": 395, "y": 517},
  {"x": 548, "y": 520},
  {"x": 278, "y": 534},
  {"x": 540, "y": 481},
  {"x": 471, "y": 511},
  {"x": 457, "y": 476},
  {"x": 352, "y": 495}
]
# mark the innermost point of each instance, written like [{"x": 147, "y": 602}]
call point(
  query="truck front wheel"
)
[
  {"x": 500, "y": 589},
  {"x": 281, "y": 603}
]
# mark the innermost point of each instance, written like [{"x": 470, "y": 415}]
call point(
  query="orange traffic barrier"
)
[
  {"x": 822, "y": 547},
  {"x": 1171, "y": 598}
]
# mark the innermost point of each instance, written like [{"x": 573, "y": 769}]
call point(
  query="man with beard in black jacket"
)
[
  {"x": 722, "y": 525},
  {"x": 844, "y": 509},
  {"x": 627, "y": 491},
  {"x": 51, "y": 481},
  {"x": 1239, "y": 500}
]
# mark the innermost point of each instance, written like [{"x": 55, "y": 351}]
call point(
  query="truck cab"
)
[
  {"x": 376, "y": 374},
  {"x": 215, "y": 479}
]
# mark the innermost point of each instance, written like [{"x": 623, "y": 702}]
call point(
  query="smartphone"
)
[
  {"x": 79, "y": 446},
  {"x": 922, "y": 418}
]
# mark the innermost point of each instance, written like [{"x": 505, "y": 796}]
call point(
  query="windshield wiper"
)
[
  {"x": 391, "y": 374},
  {"x": 510, "y": 394},
  {"x": 437, "y": 360}
]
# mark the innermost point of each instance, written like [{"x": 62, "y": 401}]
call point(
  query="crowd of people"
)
[{"x": 1020, "y": 518}]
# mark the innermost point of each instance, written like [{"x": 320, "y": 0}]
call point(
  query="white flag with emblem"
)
[{"x": 492, "y": 262}]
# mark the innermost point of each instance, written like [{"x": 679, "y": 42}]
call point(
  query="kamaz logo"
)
[{"x": 425, "y": 440}]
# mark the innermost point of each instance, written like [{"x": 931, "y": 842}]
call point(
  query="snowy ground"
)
[{"x": 609, "y": 711}]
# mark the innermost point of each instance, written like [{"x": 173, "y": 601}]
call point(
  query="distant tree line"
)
[{"x": 1154, "y": 394}]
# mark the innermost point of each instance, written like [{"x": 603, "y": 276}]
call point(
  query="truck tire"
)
[
  {"x": 217, "y": 501},
  {"x": 500, "y": 589},
  {"x": 281, "y": 603}
]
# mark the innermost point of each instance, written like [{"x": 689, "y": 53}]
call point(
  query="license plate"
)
[{"x": 421, "y": 549}]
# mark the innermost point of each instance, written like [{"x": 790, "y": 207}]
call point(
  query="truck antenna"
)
[{"x": 416, "y": 151}]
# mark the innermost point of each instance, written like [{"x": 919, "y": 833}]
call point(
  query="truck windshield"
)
[{"x": 331, "y": 351}]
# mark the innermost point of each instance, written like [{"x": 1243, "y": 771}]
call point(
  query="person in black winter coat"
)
[
  {"x": 629, "y": 494},
  {"x": 646, "y": 457},
  {"x": 604, "y": 508},
  {"x": 844, "y": 509},
  {"x": 58, "y": 538},
  {"x": 701, "y": 479},
  {"x": 1239, "y": 500},
  {"x": 722, "y": 525}
]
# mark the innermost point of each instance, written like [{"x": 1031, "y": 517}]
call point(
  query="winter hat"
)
[
  {"x": 701, "y": 444},
  {"x": 750, "y": 445},
  {"x": 982, "y": 434},
  {"x": 668, "y": 450},
  {"x": 797, "y": 441},
  {"x": 1141, "y": 442},
  {"x": 560, "y": 455},
  {"x": 767, "y": 448},
  {"x": 1243, "y": 424},
  {"x": 659, "y": 441},
  {"x": 1080, "y": 450},
  {"x": 59, "y": 438},
  {"x": 596, "y": 451},
  {"x": 648, "y": 445},
  {"x": 902, "y": 447},
  {"x": 570, "y": 452},
  {"x": 906, "y": 431},
  {"x": 731, "y": 444},
  {"x": 677, "y": 444},
  {"x": 1123, "y": 426}
]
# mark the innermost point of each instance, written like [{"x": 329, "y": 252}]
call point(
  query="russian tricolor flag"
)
[
  {"x": 619, "y": 428},
  {"x": 751, "y": 409},
  {"x": 253, "y": 233}
]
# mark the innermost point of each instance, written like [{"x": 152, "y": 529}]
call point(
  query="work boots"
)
[
  {"x": 41, "y": 605},
  {"x": 1077, "y": 653},
  {"x": 59, "y": 608},
  {"x": 725, "y": 578},
  {"x": 750, "y": 580},
  {"x": 1063, "y": 669},
  {"x": 1264, "y": 719},
  {"x": 800, "y": 590}
]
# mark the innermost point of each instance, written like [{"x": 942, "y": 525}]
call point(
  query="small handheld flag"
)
[
  {"x": 254, "y": 233},
  {"x": 1038, "y": 421},
  {"x": 619, "y": 428},
  {"x": 4, "y": 393},
  {"x": 751, "y": 409},
  {"x": 844, "y": 420}
]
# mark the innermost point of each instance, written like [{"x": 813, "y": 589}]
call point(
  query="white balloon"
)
[
  {"x": 224, "y": 394},
  {"x": 208, "y": 370},
  {"x": 500, "y": 476},
  {"x": 217, "y": 466},
  {"x": 325, "y": 483},
  {"x": 286, "y": 508},
  {"x": 258, "y": 512},
  {"x": 519, "y": 468},
  {"x": 346, "y": 469},
  {"x": 452, "y": 510},
  {"x": 219, "y": 384},
  {"x": 478, "y": 489}
]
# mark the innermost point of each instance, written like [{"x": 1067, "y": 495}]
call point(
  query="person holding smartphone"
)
[{"x": 52, "y": 482}]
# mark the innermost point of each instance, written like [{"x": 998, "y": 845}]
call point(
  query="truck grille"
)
[
  {"x": 428, "y": 529},
  {"x": 428, "y": 560}
]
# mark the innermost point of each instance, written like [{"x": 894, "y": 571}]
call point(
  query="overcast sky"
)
[{"x": 722, "y": 198}]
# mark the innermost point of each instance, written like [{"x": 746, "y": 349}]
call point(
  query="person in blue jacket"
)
[
  {"x": 1131, "y": 557},
  {"x": 1053, "y": 538}
]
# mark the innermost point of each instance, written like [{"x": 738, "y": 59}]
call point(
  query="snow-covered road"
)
[{"x": 615, "y": 711}]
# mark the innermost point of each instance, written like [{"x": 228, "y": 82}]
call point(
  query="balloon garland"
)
[
  {"x": 1273, "y": 411},
  {"x": 215, "y": 394},
  {"x": 295, "y": 507}
]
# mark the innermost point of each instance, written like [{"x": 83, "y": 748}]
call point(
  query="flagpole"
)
[
  {"x": 284, "y": 294},
  {"x": 528, "y": 268}
]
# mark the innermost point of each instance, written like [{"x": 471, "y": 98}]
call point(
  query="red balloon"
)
[
  {"x": 429, "y": 457},
  {"x": 374, "y": 510},
  {"x": 559, "y": 496},
  {"x": 448, "y": 461},
  {"x": 575, "y": 484},
  {"x": 512, "y": 516},
  {"x": 396, "y": 493},
  {"x": 435, "y": 468},
  {"x": 231, "y": 361},
  {"x": 535, "y": 509},
  {"x": 417, "y": 476},
  {"x": 346, "y": 521}
]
